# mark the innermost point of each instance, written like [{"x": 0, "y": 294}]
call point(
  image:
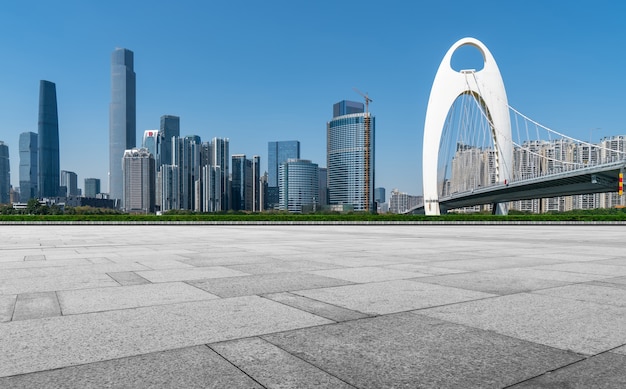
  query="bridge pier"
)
[{"x": 499, "y": 209}]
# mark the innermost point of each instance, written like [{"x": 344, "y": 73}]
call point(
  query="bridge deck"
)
[{"x": 595, "y": 179}]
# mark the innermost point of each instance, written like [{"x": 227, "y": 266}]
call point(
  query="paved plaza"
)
[{"x": 312, "y": 306}]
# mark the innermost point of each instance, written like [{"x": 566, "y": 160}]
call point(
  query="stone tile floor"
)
[{"x": 312, "y": 306}]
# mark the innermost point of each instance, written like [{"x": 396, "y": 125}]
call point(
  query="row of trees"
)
[{"x": 34, "y": 207}]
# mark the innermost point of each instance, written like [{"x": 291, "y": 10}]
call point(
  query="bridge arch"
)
[{"x": 448, "y": 85}]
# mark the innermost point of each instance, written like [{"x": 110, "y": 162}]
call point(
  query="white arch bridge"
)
[{"x": 478, "y": 150}]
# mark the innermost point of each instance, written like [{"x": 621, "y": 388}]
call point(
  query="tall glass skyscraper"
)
[
  {"x": 218, "y": 156},
  {"x": 277, "y": 153},
  {"x": 48, "y": 141},
  {"x": 5, "y": 174},
  {"x": 170, "y": 127},
  {"x": 257, "y": 201},
  {"x": 242, "y": 188},
  {"x": 350, "y": 170},
  {"x": 29, "y": 160},
  {"x": 122, "y": 117}
]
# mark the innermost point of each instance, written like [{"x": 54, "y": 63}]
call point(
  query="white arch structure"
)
[{"x": 447, "y": 87}]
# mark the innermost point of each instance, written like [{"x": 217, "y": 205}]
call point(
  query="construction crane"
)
[
  {"x": 367, "y": 100},
  {"x": 367, "y": 146}
]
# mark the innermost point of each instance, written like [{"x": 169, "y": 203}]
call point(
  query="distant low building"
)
[
  {"x": 92, "y": 187},
  {"x": 400, "y": 202}
]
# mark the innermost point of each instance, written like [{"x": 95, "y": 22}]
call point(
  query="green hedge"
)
[{"x": 609, "y": 215}]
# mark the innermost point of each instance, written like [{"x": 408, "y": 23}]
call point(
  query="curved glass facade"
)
[
  {"x": 298, "y": 186},
  {"x": 347, "y": 162}
]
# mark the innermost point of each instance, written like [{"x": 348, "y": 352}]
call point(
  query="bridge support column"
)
[{"x": 499, "y": 209}]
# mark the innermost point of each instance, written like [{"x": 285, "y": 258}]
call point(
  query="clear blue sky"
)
[{"x": 259, "y": 71}]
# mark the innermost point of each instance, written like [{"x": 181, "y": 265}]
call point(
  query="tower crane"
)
[
  {"x": 369, "y": 174},
  {"x": 367, "y": 100}
]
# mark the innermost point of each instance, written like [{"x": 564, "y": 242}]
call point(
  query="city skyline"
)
[{"x": 226, "y": 72}]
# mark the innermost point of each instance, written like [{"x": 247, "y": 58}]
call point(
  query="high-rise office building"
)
[
  {"x": 186, "y": 158},
  {"x": 69, "y": 183},
  {"x": 92, "y": 187},
  {"x": 139, "y": 187},
  {"x": 49, "y": 168},
  {"x": 170, "y": 127},
  {"x": 257, "y": 198},
  {"x": 5, "y": 174},
  {"x": 195, "y": 171},
  {"x": 169, "y": 187},
  {"x": 323, "y": 186},
  {"x": 263, "y": 191},
  {"x": 152, "y": 141},
  {"x": 218, "y": 156},
  {"x": 211, "y": 189},
  {"x": 350, "y": 156},
  {"x": 122, "y": 117},
  {"x": 29, "y": 160},
  {"x": 298, "y": 186},
  {"x": 379, "y": 195},
  {"x": 277, "y": 153},
  {"x": 241, "y": 185}
]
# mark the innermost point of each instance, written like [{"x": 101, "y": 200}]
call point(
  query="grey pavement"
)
[{"x": 312, "y": 306}]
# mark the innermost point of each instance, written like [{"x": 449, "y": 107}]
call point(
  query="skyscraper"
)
[
  {"x": 92, "y": 187},
  {"x": 49, "y": 168},
  {"x": 186, "y": 158},
  {"x": 5, "y": 174},
  {"x": 211, "y": 188},
  {"x": 152, "y": 141},
  {"x": 122, "y": 117},
  {"x": 323, "y": 186},
  {"x": 257, "y": 198},
  {"x": 350, "y": 162},
  {"x": 138, "y": 168},
  {"x": 277, "y": 153},
  {"x": 218, "y": 156},
  {"x": 29, "y": 160},
  {"x": 242, "y": 183},
  {"x": 69, "y": 183},
  {"x": 298, "y": 185},
  {"x": 170, "y": 127},
  {"x": 379, "y": 195}
]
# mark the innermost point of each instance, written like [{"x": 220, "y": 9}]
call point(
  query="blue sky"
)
[{"x": 259, "y": 71}]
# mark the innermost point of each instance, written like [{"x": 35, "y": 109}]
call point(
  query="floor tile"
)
[
  {"x": 419, "y": 352},
  {"x": 391, "y": 296},
  {"x": 580, "y": 326},
  {"x": 192, "y": 367}
]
